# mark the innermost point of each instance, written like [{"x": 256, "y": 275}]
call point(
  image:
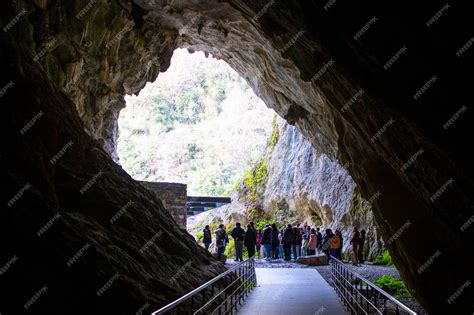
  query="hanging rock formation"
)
[{"x": 366, "y": 83}]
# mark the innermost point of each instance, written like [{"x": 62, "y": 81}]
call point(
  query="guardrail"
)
[
  {"x": 360, "y": 295},
  {"x": 220, "y": 295}
]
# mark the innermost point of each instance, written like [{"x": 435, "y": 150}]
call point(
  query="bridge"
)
[{"x": 198, "y": 204}]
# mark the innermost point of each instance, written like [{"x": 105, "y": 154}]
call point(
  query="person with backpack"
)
[
  {"x": 250, "y": 239},
  {"x": 325, "y": 241},
  {"x": 267, "y": 241},
  {"x": 312, "y": 243},
  {"x": 360, "y": 247},
  {"x": 275, "y": 241},
  {"x": 288, "y": 239},
  {"x": 296, "y": 247},
  {"x": 334, "y": 245},
  {"x": 207, "y": 237},
  {"x": 238, "y": 235},
  {"x": 221, "y": 240}
]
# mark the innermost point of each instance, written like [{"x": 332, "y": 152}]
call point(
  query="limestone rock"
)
[{"x": 315, "y": 260}]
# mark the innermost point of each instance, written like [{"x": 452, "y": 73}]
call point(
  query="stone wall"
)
[{"x": 173, "y": 196}]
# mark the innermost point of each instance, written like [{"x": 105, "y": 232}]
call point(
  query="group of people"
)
[{"x": 288, "y": 243}]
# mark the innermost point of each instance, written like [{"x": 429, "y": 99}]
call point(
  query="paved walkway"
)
[{"x": 282, "y": 291}]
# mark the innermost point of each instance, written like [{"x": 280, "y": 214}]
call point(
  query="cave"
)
[{"x": 380, "y": 87}]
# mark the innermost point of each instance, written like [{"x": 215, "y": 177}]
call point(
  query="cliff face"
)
[
  {"x": 316, "y": 188},
  {"x": 331, "y": 70}
]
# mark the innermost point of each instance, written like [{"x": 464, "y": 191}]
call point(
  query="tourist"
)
[
  {"x": 288, "y": 239},
  {"x": 259, "y": 242},
  {"x": 339, "y": 249},
  {"x": 267, "y": 241},
  {"x": 334, "y": 245},
  {"x": 207, "y": 237},
  {"x": 250, "y": 239},
  {"x": 296, "y": 242},
  {"x": 304, "y": 247},
  {"x": 355, "y": 238},
  {"x": 320, "y": 239},
  {"x": 221, "y": 240},
  {"x": 360, "y": 247},
  {"x": 280, "y": 246},
  {"x": 325, "y": 242},
  {"x": 275, "y": 241},
  {"x": 312, "y": 243},
  {"x": 238, "y": 234}
]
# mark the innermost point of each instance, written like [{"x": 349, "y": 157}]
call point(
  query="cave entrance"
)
[{"x": 198, "y": 123}]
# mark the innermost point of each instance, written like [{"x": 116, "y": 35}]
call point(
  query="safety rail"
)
[
  {"x": 360, "y": 295},
  {"x": 220, "y": 295}
]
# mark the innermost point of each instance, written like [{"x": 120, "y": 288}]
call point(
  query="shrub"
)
[
  {"x": 384, "y": 259},
  {"x": 199, "y": 235},
  {"x": 393, "y": 286}
]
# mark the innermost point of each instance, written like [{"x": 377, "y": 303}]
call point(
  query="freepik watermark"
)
[
  {"x": 329, "y": 4},
  {"x": 14, "y": 20},
  {"x": 128, "y": 27},
  {"x": 425, "y": 87},
  {"x": 48, "y": 225},
  {"x": 323, "y": 70},
  {"x": 263, "y": 10},
  {"x": 365, "y": 28},
  {"x": 121, "y": 212},
  {"x": 61, "y": 152},
  {"x": 412, "y": 160},
  {"x": 467, "y": 224},
  {"x": 180, "y": 272},
  {"x": 31, "y": 122},
  {"x": 35, "y": 297},
  {"x": 395, "y": 57},
  {"x": 458, "y": 292},
  {"x": 8, "y": 264},
  {"x": 108, "y": 284},
  {"x": 455, "y": 117},
  {"x": 399, "y": 232},
  {"x": 46, "y": 49},
  {"x": 442, "y": 189},
  {"x": 353, "y": 100},
  {"x": 382, "y": 130},
  {"x": 429, "y": 262},
  {"x": 18, "y": 195},
  {"x": 143, "y": 308},
  {"x": 78, "y": 254},
  {"x": 438, "y": 15},
  {"x": 8, "y": 86},
  {"x": 86, "y": 9},
  {"x": 465, "y": 47},
  {"x": 320, "y": 310},
  {"x": 91, "y": 182},
  {"x": 293, "y": 40},
  {"x": 150, "y": 242},
  {"x": 74, "y": 81}
]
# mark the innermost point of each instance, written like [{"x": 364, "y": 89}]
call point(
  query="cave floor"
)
[{"x": 282, "y": 291}]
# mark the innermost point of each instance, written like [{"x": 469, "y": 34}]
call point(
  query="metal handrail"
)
[
  {"x": 237, "y": 269},
  {"x": 336, "y": 274}
]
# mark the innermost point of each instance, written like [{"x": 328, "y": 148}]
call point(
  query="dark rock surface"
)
[{"x": 74, "y": 60}]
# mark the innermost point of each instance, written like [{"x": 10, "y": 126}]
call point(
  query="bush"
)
[
  {"x": 384, "y": 259},
  {"x": 393, "y": 286},
  {"x": 199, "y": 235}
]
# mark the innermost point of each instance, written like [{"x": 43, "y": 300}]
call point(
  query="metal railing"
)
[
  {"x": 360, "y": 295},
  {"x": 220, "y": 295}
]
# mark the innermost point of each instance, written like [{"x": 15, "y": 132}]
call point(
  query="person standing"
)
[
  {"x": 296, "y": 242},
  {"x": 238, "y": 234},
  {"x": 338, "y": 252},
  {"x": 312, "y": 243},
  {"x": 288, "y": 239},
  {"x": 275, "y": 242},
  {"x": 325, "y": 241},
  {"x": 267, "y": 241},
  {"x": 320, "y": 239},
  {"x": 334, "y": 245},
  {"x": 250, "y": 239},
  {"x": 259, "y": 242},
  {"x": 355, "y": 238},
  {"x": 280, "y": 246},
  {"x": 207, "y": 237},
  {"x": 221, "y": 240},
  {"x": 304, "y": 246},
  {"x": 360, "y": 247}
]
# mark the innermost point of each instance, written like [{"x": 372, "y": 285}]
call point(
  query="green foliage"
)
[
  {"x": 254, "y": 178},
  {"x": 384, "y": 259},
  {"x": 230, "y": 249},
  {"x": 275, "y": 134},
  {"x": 393, "y": 286},
  {"x": 199, "y": 235}
]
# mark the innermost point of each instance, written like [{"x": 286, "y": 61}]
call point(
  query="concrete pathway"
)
[{"x": 282, "y": 291}]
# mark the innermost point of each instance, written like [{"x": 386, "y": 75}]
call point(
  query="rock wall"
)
[
  {"x": 331, "y": 69},
  {"x": 316, "y": 188},
  {"x": 174, "y": 198}
]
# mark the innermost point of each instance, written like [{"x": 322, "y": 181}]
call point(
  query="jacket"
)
[
  {"x": 288, "y": 236},
  {"x": 238, "y": 234},
  {"x": 267, "y": 236},
  {"x": 207, "y": 238},
  {"x": 250, "y": 238}
]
